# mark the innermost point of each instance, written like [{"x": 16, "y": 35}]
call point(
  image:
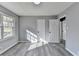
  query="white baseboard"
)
[
  {"x": 71, "y": 52},
  {"x": 8, "y": 48},
  {"x": 22, "y": 41},
  {"x": 53, "y": 42}
]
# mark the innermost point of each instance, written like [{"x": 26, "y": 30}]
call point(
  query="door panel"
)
[
  {"x": 54, "y": 31},
  {"x": 41, "y": 28}
]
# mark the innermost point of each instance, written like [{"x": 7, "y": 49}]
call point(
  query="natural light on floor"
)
[{"x": 35, "y": 41}]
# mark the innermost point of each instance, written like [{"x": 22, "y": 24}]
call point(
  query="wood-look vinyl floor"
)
[{"x": 21, "y": 49}]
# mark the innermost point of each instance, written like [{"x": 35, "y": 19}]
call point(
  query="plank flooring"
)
[{"x": 22, "y": 49}]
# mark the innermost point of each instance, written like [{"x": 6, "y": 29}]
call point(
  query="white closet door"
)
[
  {"x": 64, "y": 30},
  {"x": 41, "y": 28},
  {"x": 54, "y": 31}
]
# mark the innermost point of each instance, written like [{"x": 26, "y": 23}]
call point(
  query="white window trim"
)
[{"x": 1, "y": 15}]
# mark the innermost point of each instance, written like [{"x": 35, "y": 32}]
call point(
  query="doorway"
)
[{"x": 63, "y": 30}]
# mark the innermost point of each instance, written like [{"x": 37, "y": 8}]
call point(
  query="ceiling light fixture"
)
[{"x": 36, "y": 3}]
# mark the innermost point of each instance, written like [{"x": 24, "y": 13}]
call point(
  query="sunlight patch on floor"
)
[{"x": 37, "y": 44}]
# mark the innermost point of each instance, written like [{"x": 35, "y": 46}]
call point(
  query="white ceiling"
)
[{"x": 30, "y": 9}]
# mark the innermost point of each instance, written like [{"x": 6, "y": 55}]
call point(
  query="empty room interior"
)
[{"x": 39, "y": 28}]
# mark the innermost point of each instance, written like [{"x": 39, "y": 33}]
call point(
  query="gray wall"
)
[
  {"x": 30, "y": 21},
  {"x": 5, "y": 44},
  {"x": 47, "y": 30},
  {"x": 72, "y": 38}
]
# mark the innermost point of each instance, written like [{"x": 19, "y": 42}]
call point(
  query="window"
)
[
  {"x": 31, "y": 36},
  {"x": 7, "y": 26}
]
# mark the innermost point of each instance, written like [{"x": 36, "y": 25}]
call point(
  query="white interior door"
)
[
  {"x": 64, "y": 30},
  {"x": 54, "y": 31},
  {"x": 41, "y": 28}
]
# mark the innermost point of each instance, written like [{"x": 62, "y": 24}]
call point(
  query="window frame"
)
[{"x": 2, "y": 29}]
